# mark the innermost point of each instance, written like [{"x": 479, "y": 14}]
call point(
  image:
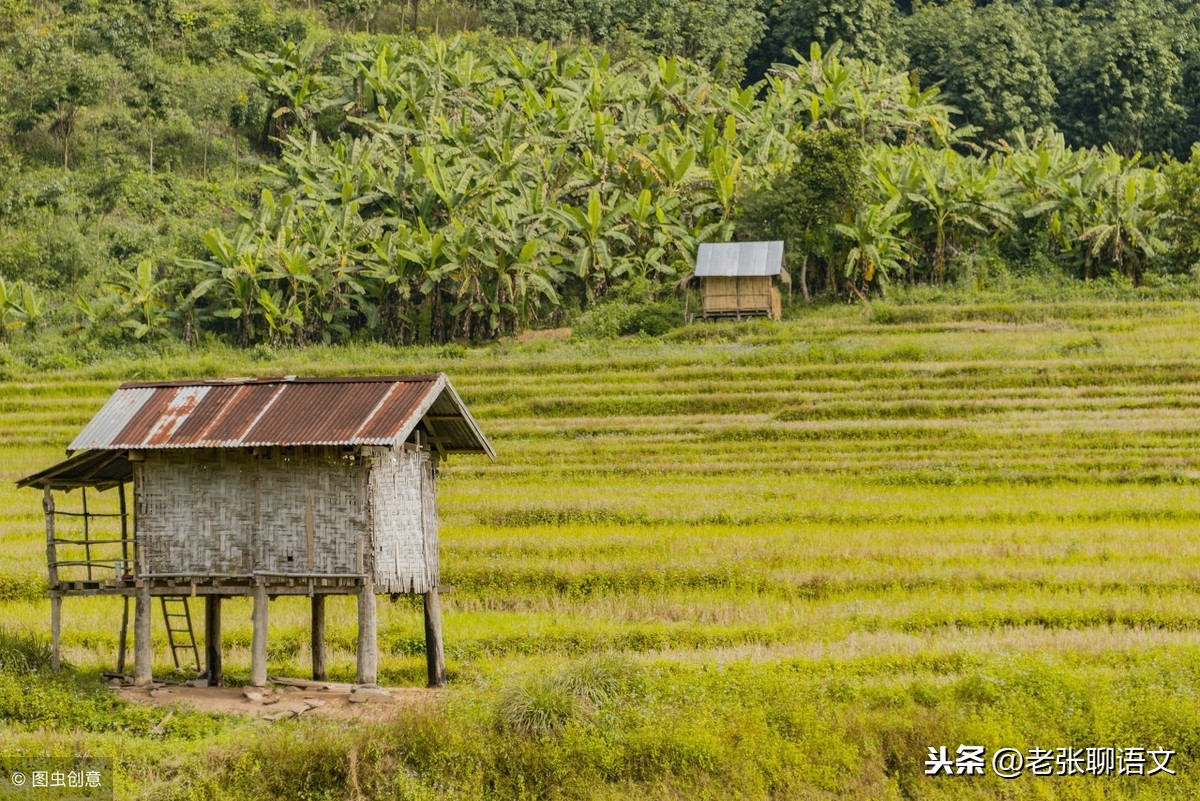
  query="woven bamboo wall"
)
[
  {"x": 231, "y": 513},
  {"x": 404, "y": 521},
  {"x": 312, "y": 513},
  {"x": 730, "y": 295},
  {"x": 196, "y": 512}
]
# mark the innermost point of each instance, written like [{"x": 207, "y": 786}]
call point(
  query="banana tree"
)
[
  {"x": 1126, "y": 222},
  {"x": 20, "y": 304},
  {"x": 294, "y": 84},
  {"x": 146, "y": 299},
  {"x": 592, "y": 234},
  {"x": 877, "y": 249}
]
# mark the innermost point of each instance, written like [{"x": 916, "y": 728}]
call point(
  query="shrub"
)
[
  {"x": 628, "y": 312},
  {"x": 539, "y": 706}
]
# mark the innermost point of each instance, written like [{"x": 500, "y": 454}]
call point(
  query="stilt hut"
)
[
  {"x": 740, "y": 279},
  {"x": 260, "y": 487}
]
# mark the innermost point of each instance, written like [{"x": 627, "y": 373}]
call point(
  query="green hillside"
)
[{"x": 285, "y": 175}]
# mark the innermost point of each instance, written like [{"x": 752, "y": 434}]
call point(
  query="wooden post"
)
[
  {"x": 212, "y": 639},
  {"x": 125, "y": 568},
  {"x": 368, "y": 644},
  {"x": 143, "y": 651},
  {"x": 318, "y": 638},
  {"x": 124, "y": 634},
  {"x": 435, "y": 657},
  {"x": 258, "y": 655},
  {"x": 52, "y": 568},
  {"x": 55, "y": 631},
  {"x": 87, "y": 535}
]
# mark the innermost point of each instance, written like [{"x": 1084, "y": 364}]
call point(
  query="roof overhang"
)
[
  {"x": 100, "y": 469},
  {"x": 265, "y": 412}
]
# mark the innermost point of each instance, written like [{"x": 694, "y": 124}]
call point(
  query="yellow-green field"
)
[{"x": 755, "y": 560}]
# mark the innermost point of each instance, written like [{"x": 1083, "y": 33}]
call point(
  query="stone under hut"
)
[{"x": 261, "y": 487}]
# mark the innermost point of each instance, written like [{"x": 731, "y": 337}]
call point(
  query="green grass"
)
[{"x": 746, "y": 560}]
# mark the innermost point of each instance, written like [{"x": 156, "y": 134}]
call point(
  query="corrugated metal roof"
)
[
  {"x": 741, "y": 259},
  {"x": 282, "y": 412}
]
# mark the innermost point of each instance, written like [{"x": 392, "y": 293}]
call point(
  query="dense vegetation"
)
[
  {"x": 470, "y": 191},
  {"x": 1114, "y": 71},
  {"x": 292, "y": 175},
  {"x": 739, "y": 561}
]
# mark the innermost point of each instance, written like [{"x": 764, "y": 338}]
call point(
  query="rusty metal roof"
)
[
  {"x": 742, "y": 259},
  {"x": 290, "y": 411}
]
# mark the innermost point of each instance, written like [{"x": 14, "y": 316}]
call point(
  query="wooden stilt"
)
[
  {"x": 87, "y": 535},
  {"x": 55, "y": 632},
  {"x": 318, "y": 638},
  {"x": 212, "y": 640},
  {"x": 258, "y": 656},
  {"x": 435, "y": 657},
  {"x": 52, "y": 567},
  {"x": 126, "y": 568},
  {"x": 123, "y": 646},
  {"x": 368, "y": 658},
  {"x": 143, "y": 651}
]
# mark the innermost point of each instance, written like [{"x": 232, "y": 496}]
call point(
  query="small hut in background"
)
[
  {"x": 740, "y": 279},
  {"x": 259, "y": 487}
]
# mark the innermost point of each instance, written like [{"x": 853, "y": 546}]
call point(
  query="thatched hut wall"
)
[
  {"x": 303, "y": 511},
  {"x": 405, "y": 526},
  {"x": 732, "y": 295}
]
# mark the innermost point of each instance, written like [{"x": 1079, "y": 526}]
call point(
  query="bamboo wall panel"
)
[
  {"x": 196, "y": 512},
  {"x": 429, "y": 519},
  {"x": 730, "y": 295},
  {"x": 232, "y": 513},
  {"x": 306, "y": 498},
  {"x": 404, "y": 521}
]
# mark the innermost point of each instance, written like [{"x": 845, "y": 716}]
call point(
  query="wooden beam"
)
[
  {"x": 318, "y": 638},
  {"x": 258, "y": 652},
  {"x": 52, "y": 567},
  {"x": 212, "y": 640},
  {"x": 51, "y": 553},
  {"x": 87, "y": 535},
  {"x": 368, "y": 643},
  {"x": 124, "y": 512},
  {"x": 435, "y": 657},
  {"x": 121, "y": 647},
  {"x": 55, "y": 632},
  {"x": 143, "y": 650},
  {"x": 434, "y": 438}
]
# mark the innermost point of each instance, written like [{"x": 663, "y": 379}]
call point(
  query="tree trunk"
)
[{"x": 804, "y": 279}]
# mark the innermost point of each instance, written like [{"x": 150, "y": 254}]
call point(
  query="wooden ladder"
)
[{"x": 181, "y": 637}]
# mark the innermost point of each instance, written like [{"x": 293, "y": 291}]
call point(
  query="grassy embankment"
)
[{"x": 755, "y": 560}]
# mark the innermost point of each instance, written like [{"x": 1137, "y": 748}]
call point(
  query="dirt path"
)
[{"x": 282, "y": 701}]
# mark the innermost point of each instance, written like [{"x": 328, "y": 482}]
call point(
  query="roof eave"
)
[
  {"x": 475, "y": 429},
  {"x": 443, "y": 385}
]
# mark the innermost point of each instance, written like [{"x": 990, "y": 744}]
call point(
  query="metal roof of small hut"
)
[
  {"x": 740, "y": 259},
  {"x": 263, "y": 412}
]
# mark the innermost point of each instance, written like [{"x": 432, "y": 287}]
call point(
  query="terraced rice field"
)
[{"x": 929, "y": 524}]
